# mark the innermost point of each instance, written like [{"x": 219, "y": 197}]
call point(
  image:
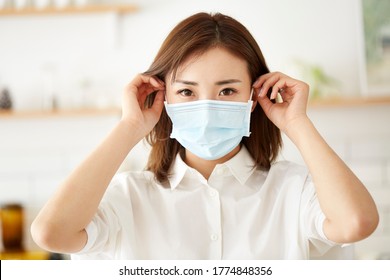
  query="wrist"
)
[
  {"x": 132, "y": 133},
  {"x": 298, "y": 128}
]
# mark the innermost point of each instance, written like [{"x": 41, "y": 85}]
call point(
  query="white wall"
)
[{"x": 106, "y": 51}]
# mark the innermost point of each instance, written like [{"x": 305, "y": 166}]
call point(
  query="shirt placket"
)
[{"x": 215, "y": 222}]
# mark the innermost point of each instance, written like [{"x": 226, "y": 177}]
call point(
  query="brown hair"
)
[{"x": 195, "y": 35}]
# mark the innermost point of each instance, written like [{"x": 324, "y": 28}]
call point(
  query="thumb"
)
[{"x": 158, "y": 103}]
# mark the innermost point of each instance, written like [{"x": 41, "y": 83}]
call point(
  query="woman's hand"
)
[
  {"x": 294, "y": 95},
  {"x": 134, "y": 112}
]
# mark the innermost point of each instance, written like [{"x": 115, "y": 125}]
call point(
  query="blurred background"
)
[{"x": 64, "y": 63}]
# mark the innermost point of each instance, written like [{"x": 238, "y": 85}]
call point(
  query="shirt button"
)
[
  {"x": 214, "y": 237},
  {"x": 212, "y": 193}
]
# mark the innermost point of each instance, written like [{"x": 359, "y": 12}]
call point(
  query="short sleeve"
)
[
  {"x": 101, "y": 232},
  {"x": 313, "y": 221}
]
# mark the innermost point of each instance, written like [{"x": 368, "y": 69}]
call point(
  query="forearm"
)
[
  {"x": 72, "y": 207},
  {"x": 350, "y": 212}
]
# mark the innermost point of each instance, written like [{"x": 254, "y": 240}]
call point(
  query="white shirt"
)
[{"x": 241, "y": 212}]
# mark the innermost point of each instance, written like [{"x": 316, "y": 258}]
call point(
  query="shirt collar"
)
[
  {"x": 178, "y": 170},
  {"x": 241, "y": 167}
]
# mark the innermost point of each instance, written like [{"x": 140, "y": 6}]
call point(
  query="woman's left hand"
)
[{"x": 294, "y": 94}]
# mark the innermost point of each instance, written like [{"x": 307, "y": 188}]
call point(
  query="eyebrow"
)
[{"x": 219, "y": 83}]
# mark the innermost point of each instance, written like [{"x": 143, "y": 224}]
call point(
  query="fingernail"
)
[
  {"x": 153, "y": 81},
  {"x": 260, "y": 91}
]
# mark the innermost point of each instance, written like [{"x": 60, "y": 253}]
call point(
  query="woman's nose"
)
[{"x": 206, "y": 96}]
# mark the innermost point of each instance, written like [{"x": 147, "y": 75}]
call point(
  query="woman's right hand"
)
[{"x": 134, "y": 113}]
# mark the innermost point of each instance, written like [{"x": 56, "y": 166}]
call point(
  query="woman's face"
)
[{"x": 215, "y": 75}]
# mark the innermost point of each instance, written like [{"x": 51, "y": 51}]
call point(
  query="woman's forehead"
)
[{"x": 216, "y": 63}]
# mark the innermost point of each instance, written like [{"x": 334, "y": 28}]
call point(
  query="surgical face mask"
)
[{"x": 210, "y": 129}]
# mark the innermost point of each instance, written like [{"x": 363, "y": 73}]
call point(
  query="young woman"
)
[{"x": 212, "y": 188}]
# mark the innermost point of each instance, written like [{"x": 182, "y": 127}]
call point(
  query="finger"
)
[
  {"x": 158, "y": 102},
  {"x": 134, "y": 96},
  {"x": 157, "y": 83},
  {"x": 258, "y": 84},
  {"x": 146, "y": 82},
  {"x": 268, "y": 83},
  {"x": 260, "y": 80},
  {"x": 138, "y": 81},
  {"x": 143, "y": 85},
  {"x": 266, "y": 104},
  {"x": 278, "y": 88}
]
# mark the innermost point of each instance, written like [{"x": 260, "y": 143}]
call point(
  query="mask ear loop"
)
[{"x": 165, "y": 97}]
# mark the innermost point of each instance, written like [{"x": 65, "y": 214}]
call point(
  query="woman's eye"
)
[
  {"x": 227, "y": 92},
  {"x": 185, "y": 92}
]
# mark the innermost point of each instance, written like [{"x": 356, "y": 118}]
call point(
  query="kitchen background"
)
[{"x": 63, "y": 65}]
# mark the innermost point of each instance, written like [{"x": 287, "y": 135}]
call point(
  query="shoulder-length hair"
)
[{"x": 194, "y": 36}]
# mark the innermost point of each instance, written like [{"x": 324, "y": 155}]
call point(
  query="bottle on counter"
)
[
  {"x": 12, "y": 227},
  {"x": 5, "y": 100}
]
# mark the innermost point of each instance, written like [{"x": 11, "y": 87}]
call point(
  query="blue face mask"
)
[{"x": 210, "y": 129}]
